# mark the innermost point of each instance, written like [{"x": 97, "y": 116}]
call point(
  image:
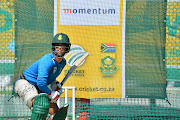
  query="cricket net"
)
[{"x": 135, "y": 52}]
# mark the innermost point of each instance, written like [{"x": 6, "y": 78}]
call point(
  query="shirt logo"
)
[{"x": 55, "y": 69}]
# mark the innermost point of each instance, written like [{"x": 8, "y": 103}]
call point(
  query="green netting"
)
[
  {"x": 34, "y": 31},
  {"x": 144, "y": 49},
  {"x": 148, "y": 44}
]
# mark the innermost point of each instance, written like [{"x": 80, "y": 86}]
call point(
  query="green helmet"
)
[{"x": 61, "y": 38}]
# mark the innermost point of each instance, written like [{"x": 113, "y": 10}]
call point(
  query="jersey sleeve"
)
[{"x": 44, "y": 68}]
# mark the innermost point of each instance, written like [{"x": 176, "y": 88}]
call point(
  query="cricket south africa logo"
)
[
  {"x": 108, "y": 58},
  {"x": 74, "y": 54}
]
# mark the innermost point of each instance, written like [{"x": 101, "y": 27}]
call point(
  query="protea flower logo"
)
[
  {"x": 108, "y": 65},
  {"x": 74, "y": 54}
]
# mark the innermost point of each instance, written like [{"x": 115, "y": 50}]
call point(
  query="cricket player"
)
[{"x": 32, "y": 85}]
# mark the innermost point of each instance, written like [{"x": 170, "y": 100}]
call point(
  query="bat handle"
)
[{"x": 59, "y": 84}]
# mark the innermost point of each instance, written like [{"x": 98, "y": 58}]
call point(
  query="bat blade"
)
[
  {"x": 76, "y": 64},
  {"x": 80, "y": 60}
]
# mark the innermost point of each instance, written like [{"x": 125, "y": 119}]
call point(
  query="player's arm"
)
[{"x": 44, "y": 68}]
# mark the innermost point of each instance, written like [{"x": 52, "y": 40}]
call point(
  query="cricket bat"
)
[{"x": 76, "y": 64}]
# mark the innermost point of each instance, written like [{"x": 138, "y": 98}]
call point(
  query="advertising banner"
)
[
  {"x": 96, "y": 27},
  {"x": 173, "y": 40},
  {"x": 7, "y": 37}
]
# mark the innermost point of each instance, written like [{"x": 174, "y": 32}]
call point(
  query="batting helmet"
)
[{"x": 61, "y": 39}]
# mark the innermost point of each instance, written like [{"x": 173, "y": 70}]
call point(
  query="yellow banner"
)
[
  {"x": 97, "y": 28},
  {"x": 173, "y": 34},
  {"x": 7, "y": 31}
]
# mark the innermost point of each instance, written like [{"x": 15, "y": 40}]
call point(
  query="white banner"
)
[{"x": 89, "y": 12}]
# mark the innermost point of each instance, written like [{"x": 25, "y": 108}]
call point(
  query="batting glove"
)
[
  {"x": 55, "y": 86},
  {"x": 53, "y": 96}
]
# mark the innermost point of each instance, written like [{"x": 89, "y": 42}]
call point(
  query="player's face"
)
[{"x": 61, "y": 49}]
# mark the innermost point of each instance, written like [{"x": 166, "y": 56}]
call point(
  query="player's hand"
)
[
  {"x": 53, "y": 96},
  {"x": 56, "y": 86}
]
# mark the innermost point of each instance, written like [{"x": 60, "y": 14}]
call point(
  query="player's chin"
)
[{"x": 61, "y": 54}]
